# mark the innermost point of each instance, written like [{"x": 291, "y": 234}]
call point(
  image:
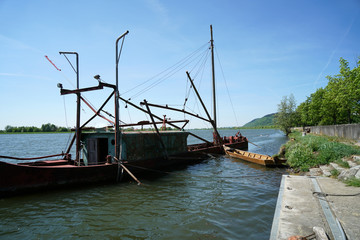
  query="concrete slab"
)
[
  {"x": 326, "y": 169},
  {"x": 352, "y": 163},
  {"x": 344, "y": 206},
  {"x": 300, "y": 208},
  {"x": 337, "y": 167},
  {"x": 314, "y": 172}
]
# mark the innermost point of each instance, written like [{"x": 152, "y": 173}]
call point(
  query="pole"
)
[
  {"x": 159, "y": 118},
  {"x": 78, "y": 109},
  {"x": 117, "y": 128},
  {"x": 203, "y": 105},
  {"x": 78, "y": 106},
  {"x": 213, "y": 74},
  {"x": 156, "y": 129}
]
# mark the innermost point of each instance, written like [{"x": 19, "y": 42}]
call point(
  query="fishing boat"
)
[
  {"x": 110, "y": 154},
  {"x": 264, "y": 160}
]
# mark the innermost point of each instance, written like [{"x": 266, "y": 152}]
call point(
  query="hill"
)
[{"x": 265, "y": 121}]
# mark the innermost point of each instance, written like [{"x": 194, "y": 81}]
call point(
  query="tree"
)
[
  {"x": 342, "y": 95},
  {"x": 337, "y": 103},
  {"x": 287, "y": 116},
  {"x": 9, "y": 128},
  {"x": 48, "y": 127}
]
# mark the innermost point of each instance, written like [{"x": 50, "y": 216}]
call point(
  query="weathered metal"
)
[
  {"x": 29, "y": 177},
  {"x": 97, "y": 113},
  {"x": 175, "y": 109},
  {"x": 117, "y": 95},
  {"x": 33, "y": 158},
  {"x": 218, "y": 138},
  {"x": 141, "y": 123},
  {"x": 159, "y": 118},
  {"x": 156, "y": 129},
  {"x": 78, "y": 104}
]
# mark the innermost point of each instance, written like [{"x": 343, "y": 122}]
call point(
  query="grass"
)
[
  {"x": 353, "y": 182},
  {"x": 304, "y": 152},
  {"x": 334, "y": 173}
]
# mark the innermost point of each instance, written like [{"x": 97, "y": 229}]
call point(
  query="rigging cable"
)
[
  {"x": 70, "y": 63},
  {"x": 157, "y": 82},
  {"x": 182, "y": 60},
  {"x": 167, "y": 73},
  {"x": 122, "y": 43},
  {"x": 200, "y": 68},
  {"x": 227, "y": 89}
]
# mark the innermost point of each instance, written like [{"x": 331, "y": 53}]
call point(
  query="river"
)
[{"x": 219, "y": 198}]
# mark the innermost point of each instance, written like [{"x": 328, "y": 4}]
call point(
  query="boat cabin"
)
[{"x": 134, "y": 146}]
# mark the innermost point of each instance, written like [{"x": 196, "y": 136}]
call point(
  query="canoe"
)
[{"x": 260, "y": 159}]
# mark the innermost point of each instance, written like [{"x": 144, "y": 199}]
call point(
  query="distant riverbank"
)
[
  {"x": 3, "y": 132},
  {"x": 132, "y": 129}
]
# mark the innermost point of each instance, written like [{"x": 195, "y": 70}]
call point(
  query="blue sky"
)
[{"x": 267, "y": 50}]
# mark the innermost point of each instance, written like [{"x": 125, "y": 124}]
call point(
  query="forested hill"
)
[{"x": 267, "y": 120}]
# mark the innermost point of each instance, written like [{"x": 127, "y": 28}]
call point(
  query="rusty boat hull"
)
[
  {"x": 35, "y": 176},
  {"x": 29, "y": 177}
]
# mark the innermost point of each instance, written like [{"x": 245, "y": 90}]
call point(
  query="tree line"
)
[
  {"x": 337, "y": 103},
  {"x": 48, "y": 127}
]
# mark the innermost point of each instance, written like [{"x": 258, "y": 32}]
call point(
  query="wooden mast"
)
[{"x": 213, "y": 80}]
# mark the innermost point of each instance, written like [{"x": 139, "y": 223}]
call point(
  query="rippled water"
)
[{"x": 220, "y": 198}]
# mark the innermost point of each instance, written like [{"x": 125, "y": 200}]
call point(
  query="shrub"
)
[
  {"x": 304, "y": 152},
  {"x": 353, "y": 182},
  {"x": 300, "y": 156}
]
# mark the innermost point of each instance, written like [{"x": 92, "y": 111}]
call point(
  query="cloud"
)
[
  {"x": 159, "y": 10},
  {"x": 17, "y": 44},
  {"x": 335, "y": 49},
  {"x": 24, "y": 76}
]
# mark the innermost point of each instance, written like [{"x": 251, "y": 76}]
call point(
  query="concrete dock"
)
[{"x": 307, "y": 202}]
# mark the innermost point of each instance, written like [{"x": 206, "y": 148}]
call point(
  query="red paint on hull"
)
[{"x": 18, "y": 178}]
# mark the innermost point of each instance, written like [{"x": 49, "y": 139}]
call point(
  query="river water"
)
[{"x": 219, "y": 198}]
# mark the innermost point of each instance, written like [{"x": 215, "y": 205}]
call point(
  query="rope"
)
[
  {"x": 201, "y": 69},
  {"x": 186, "y": 174},
  {"x": 53, "y": 63},
  {"x": 70, "y": 63},
  {"x": 96, "y": 111},
  {"x": 17, "y": 158},
  {"x": 182, "y": 60},
  {"x": 227, "y": 89},
  {"x": 168, "y": 72},
  {"x": 322, "y": 194}
]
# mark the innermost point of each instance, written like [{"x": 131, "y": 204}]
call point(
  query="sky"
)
[{"x": 264, "y": 50}]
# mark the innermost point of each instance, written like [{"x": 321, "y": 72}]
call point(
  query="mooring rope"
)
[{"x": 186, "y": 174}]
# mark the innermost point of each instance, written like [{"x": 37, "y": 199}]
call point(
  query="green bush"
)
[
  {"x": 304, "y": 152},
  {"x": 353, "y": 182},
  {"x": 334, "y": 173},
  {"x": 300, "y": 156}
]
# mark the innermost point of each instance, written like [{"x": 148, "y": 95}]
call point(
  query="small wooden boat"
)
[{"x": 261, "y": 159}]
